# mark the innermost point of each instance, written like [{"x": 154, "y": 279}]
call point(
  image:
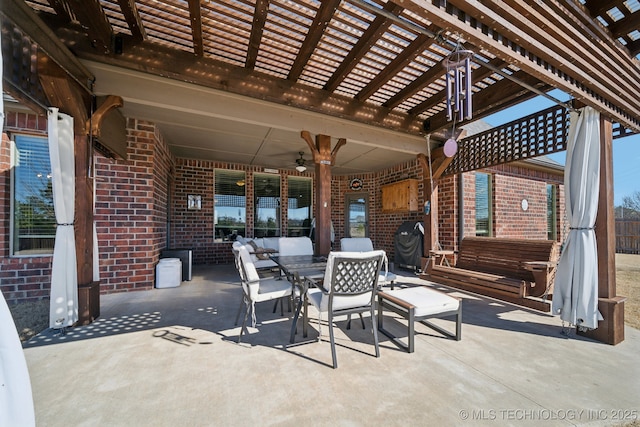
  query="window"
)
[
  {"x": 299, "y": 207},
  {"x": 267, "y": 196},
  {"x": 483, "y": 205},
  {"x": 230, "y": 205},
  {"x": 551, "y": 212},
  {"x": 33, "y": 220}
]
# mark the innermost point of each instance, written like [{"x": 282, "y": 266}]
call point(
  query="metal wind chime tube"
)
[{"x": 458, "y": 84}]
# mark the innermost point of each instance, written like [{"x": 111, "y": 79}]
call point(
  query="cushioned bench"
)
[
  {"x": 417, "y": 304},
  {"x": 510, "y": 269}
]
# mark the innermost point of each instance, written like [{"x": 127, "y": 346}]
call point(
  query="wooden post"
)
[
  {"x": 432, "y": 173},
  {"x": 611, "y": 329},
  {"x": 323, "y": 158},
  {"x": 63, "y": 92}
]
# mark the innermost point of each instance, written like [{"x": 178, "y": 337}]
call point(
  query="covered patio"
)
[
  {"x": 169, "y": 357},
  {"x": 225, "y": 84}
]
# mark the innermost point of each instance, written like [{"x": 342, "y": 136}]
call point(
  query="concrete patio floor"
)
[{"x": 169, "y": 357}]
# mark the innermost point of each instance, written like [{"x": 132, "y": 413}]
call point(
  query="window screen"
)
[
  {"x": 267, "y": 205},
  {"x": 230, "y": 205},
  {"x": 299, "y": 207},
  {"x": 483, "y": 204},
  {"x": 551, "y": 212},
  {"x": 33, "y": 217}
]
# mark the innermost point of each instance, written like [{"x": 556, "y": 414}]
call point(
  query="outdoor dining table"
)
[{"x": 296, "y": 268}]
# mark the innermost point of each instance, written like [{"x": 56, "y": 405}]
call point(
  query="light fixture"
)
[
  {"x": 240, "y": 183},
  {"x": 301, "y": 161}
]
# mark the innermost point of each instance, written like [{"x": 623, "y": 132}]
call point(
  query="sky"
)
[{"x": 626, "y": 151}]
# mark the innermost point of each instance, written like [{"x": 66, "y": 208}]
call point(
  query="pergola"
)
[{"x": 368, "y": 73}]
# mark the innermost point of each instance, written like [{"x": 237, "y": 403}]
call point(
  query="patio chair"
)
[
  {"x": 364, "y": 244},
  {"x": 288, "y": 246},
  {"x": 349, "y": 286},
  {"x": 256, "y": 289}
]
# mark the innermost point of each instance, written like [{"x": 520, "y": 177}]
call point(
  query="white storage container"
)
[{"x": 168, "y": 273}]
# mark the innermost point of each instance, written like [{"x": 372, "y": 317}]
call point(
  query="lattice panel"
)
[
  {"x": 535, "y": 135},
  {"x": 620, "y": 131}
]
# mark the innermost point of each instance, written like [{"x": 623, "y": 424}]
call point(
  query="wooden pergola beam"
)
[
  {"x": 207, "y": 72},
  {"x": 259, "y": 18},
  {"x": 369, "y": 38},
  {"x": 320, "y": 22},
  {"x": 131, "y": 15},
  {"x": 405, "y": 57},
  {"x": 195, "y": 17},
  {"x": 94, "y": 21}
]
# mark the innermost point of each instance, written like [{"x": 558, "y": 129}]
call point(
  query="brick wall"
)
[
  {"x": 23, "y": 278},
  {"x": 140, "y": 199},
  {"x": 131, "y": 210}
]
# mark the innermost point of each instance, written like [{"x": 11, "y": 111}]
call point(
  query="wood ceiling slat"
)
[
  {"x": 373, "y": 32},
  {"x": 41, "y": 5},
  {"x": 130, "y": 12}
]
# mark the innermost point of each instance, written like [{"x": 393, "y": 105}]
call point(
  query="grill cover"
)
[{"x": 409, "y": 244}]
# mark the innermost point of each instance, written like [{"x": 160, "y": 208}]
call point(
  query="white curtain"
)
[
  {"x": 575, "y": 294},
  {"x": 16, "y": 399},
  {"x": 64, "y": 277}
]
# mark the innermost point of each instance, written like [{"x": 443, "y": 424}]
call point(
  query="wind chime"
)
[{"x": 459, "y": 91}]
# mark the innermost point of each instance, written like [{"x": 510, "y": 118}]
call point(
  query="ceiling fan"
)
[{"x": 301, "y": 163}]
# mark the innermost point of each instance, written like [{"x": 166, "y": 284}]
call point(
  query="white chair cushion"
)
[
  {"x": 271, "y": 242},
  {"x": 426, "y": 301},
  {"x": 288, "y": 246},
  {"x": 272, "y": 289},
  {"x": 356, "y": 244},
  {"x": 320, "y": 301}
]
